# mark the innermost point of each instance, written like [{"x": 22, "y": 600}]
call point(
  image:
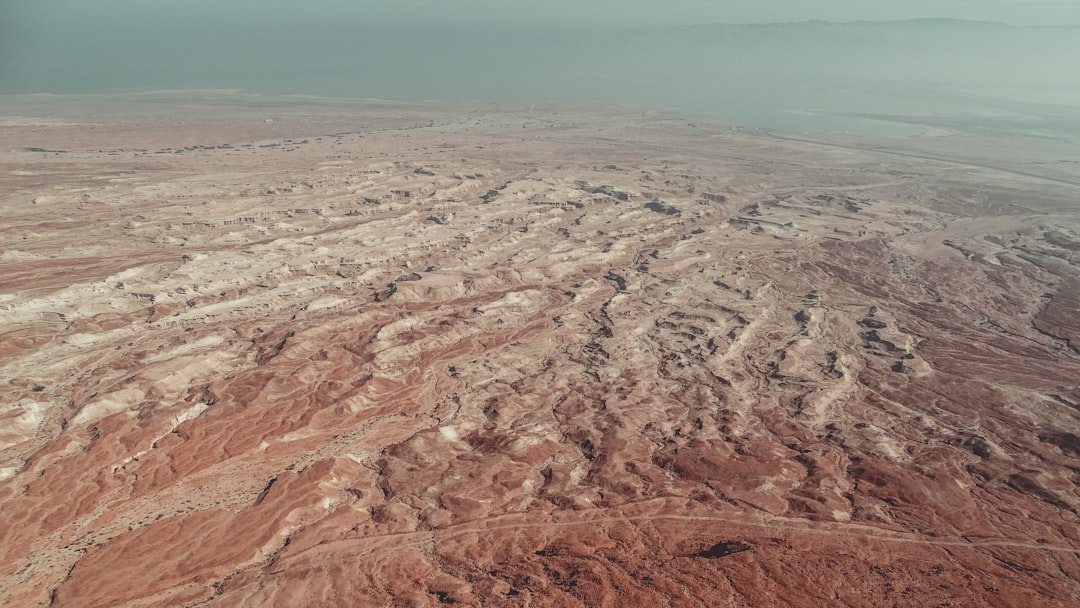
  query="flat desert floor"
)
[{"x": 303, "y": 352}]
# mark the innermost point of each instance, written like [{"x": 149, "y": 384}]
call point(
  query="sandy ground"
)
[{"x": 300, "y": 352}]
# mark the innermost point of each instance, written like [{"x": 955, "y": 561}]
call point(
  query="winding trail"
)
[{"x": 773, "y": 524}]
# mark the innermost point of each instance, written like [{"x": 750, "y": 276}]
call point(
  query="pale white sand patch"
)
[
  {"x": 14, "y": 255},
  {"x": 513, "y": 299},
  {"x": 205, "y": 342},
  {"x": 450, "y": 433},
  {"x": 326, "y": 303},
  {"x": 297, "y": 435},
  {"x": 179, "y": 374},
  {"x": 20, "y": 422},
  {"x": 109, "y": 404}
]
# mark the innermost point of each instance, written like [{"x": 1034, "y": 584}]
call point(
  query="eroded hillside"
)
[{"x": 325, "y": 353}]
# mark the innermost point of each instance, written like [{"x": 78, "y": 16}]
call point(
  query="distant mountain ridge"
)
[{"x": 924, "y": 22}]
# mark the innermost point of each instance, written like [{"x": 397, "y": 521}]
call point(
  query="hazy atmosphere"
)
[
  {"x": 783, "y": 64},
  {"x": 559, "y": 303}
]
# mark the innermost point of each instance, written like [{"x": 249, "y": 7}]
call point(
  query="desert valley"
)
[{"x": 261, "y": 351}]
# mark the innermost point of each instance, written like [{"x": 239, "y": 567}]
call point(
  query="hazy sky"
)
[
  {"x": 23, "y": 16},
  {"x": 672, "y": 12},
  {"x": 537, "y": 50}
]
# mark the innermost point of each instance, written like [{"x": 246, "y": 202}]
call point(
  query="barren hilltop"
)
[{"x": 268, "y": 351}]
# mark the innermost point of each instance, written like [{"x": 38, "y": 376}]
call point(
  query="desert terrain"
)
[{"x": 263, "y": 351}]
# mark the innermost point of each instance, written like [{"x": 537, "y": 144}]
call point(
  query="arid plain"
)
[{"x": 301, "y": 352}]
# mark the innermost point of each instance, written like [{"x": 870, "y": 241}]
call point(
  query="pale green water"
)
[{"x": 892, "y": 79}]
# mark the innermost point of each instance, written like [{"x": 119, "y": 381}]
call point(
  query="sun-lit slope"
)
[{"x": 535, "y": 357}]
